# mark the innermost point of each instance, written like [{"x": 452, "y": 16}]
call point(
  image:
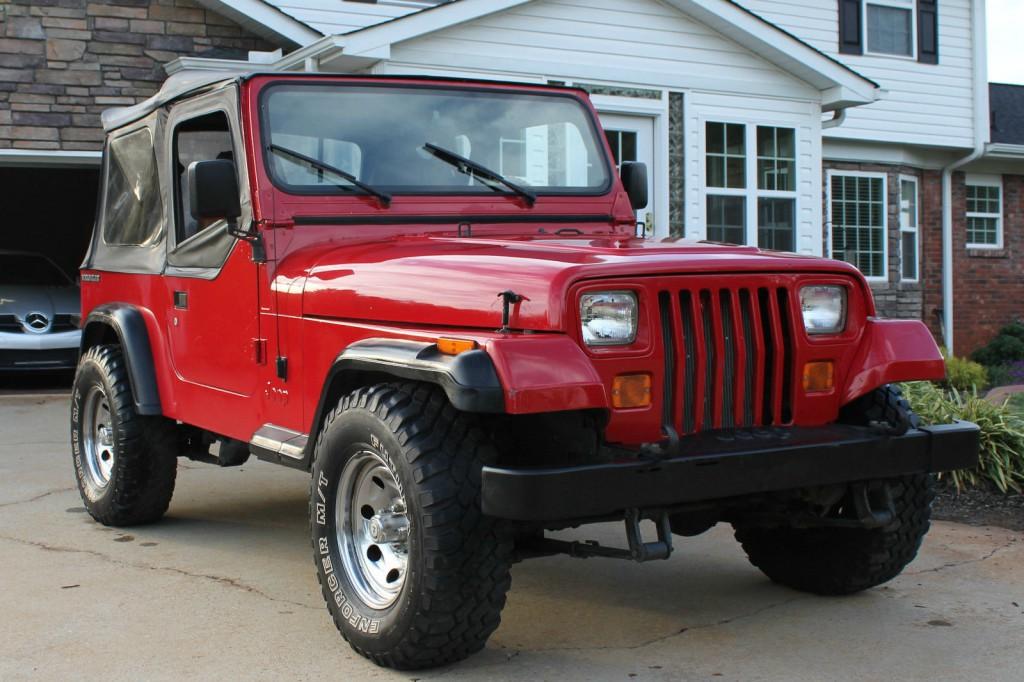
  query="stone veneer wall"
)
[{"x": 62, "y": 62}]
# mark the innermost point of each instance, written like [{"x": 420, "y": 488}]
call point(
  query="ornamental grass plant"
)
[{"x": 1002, "y": 433}]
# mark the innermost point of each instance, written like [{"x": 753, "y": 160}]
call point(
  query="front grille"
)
[{"x": 728, "y": 357}]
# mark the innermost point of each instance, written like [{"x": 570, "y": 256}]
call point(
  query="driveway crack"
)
[
  {"x": 37, "y": 497},
  {"x": 966, "y": 562},
  {"x": 222, "y": 580}
]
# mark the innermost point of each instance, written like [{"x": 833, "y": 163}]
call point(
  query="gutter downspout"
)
[
  {"x": 981, "y": 135},
  {"x": 838, "y": 117}
]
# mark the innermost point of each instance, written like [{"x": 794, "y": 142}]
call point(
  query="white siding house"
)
[
  {"x": 667, "y": 76},
  {"x": 921, "y": 104}
]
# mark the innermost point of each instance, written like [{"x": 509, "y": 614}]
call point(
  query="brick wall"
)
[
  {"x": 62, "y": 62},
  {"x": 989, "y": 284},
  {"x": 895, "y": 298}
]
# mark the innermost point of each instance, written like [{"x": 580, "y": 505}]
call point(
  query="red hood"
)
[{"x": 448, "y": 281}]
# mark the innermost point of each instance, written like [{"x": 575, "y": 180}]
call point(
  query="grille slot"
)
[
  {"x": 10, "y": 324},
  {"x": 62, "y": 323},
  {"x": 731, "y": 357}
]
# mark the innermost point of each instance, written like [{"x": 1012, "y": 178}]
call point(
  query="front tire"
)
[
  {"x": 836, "y": 561},
  {"x": 414, "y": 575},
  {"x": 125, "y": 463}
]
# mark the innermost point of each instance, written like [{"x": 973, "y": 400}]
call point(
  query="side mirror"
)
[
  {"x": 634, "y": 179},
  {"x": 213, "y": 190}
]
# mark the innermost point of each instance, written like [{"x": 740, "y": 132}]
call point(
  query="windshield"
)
[
  {"x": 25, "y": 268},
  {"x": 379, "y": 135}
]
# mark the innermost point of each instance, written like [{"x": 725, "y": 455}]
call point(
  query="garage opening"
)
[{"x": 49, "y": 211}]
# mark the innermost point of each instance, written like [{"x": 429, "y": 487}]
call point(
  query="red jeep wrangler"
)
[{"x": 429, "y": 294}]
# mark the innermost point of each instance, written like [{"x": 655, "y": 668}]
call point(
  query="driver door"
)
[{"x": 211, "y": 280}]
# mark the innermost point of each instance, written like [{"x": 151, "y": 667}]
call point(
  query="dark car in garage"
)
[{"x": 39, "y": 314}]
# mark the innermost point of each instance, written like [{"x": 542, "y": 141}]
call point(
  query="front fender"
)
[
  {"x": 891, "y": 351},
  {"x": 546, "y": 373}
]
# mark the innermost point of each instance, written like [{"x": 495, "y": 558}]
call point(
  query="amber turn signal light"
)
[
  {"x": 631, "y": 390},
  {"x": 819, "y": 376},
  {"x": 455, "y": 346}
]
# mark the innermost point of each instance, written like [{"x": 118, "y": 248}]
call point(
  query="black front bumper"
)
[{"x": 717, "y": 466}]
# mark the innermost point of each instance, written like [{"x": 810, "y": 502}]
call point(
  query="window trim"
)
[
  {"x": 908, "y": 5},
  {"x": 751, "y": 192},
  {"x": 884, "y": 177},
  {"x": 985, "y": 181},
  {"x": 915, "y": 229}
]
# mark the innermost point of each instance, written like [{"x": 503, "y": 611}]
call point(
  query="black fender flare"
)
[
  {"x": 129, "y": 326},
  {"x": 469, "y": 379}
]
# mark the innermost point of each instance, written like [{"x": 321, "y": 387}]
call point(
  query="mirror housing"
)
[
  {"x": 634, "y": 180},
  {"x": 213, "y": 190}
]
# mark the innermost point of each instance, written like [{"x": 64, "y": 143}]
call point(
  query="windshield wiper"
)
[
  {"x": 474, "y": 169},
  {"x": 384, "y": 197}
]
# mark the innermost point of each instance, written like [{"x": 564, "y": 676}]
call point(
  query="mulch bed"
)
[{"x": 980, "y": 507}]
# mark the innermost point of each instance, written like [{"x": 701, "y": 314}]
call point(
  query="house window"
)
[
  {"x": 858, "y": 206},
  {"x": 743, "y": 187},
  {"x": 984, "y": 212},
  {"x": 908, "y": 229},
  {"x": 890, "y": 27},
  {"x": 900, "y": 28},
  {"x": 726, "y": 146}
]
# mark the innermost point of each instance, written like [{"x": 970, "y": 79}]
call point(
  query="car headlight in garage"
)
[
  {"x": 824, "y": 308},
  {"x": 609, "y": 318}
]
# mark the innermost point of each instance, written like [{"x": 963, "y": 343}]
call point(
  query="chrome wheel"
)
[
  {"x": 98, "y": 437},
  {"x": 373, "y": 529}
]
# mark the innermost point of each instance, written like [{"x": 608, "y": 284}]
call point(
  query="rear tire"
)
[
  {"x": 125, "y": 464},
  {"x": 413, "y": 573}
]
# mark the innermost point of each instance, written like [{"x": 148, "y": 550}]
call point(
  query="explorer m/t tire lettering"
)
[{"x": 414, "y": 575}]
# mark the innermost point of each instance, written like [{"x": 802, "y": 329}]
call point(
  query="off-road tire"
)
[
  {"x": 458, "y": 559},
  {"x": 835, "y": 561},
  {"x": 847, "y": 560},
  {"x": 141, "y": 481},
  {"x": 884, "y": 408}
]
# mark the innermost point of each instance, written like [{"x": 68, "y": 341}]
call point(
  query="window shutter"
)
[
  {"x": 851, "y": 35},
  {"x": 928, "y": 31}
]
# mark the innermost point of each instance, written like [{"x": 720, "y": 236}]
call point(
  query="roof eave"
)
[
  {"x": 1004, "y": 150},
  {"x": 265, "y": 20}
]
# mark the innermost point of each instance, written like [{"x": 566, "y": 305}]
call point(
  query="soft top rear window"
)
[
  {"x": 132, "y": 206},
  {"x": 545, "y": 142}
]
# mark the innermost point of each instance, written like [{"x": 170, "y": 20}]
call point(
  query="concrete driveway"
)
[{"x": 224, "y": 589}]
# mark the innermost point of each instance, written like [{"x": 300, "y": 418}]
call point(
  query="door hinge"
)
[
  {"x": 260, "y": 351},
  {"x": 282, "y": 368}
]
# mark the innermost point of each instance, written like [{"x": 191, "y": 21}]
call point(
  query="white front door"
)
[{"x": 632, "y": 139}]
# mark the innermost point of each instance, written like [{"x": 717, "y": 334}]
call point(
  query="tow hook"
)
[{"x": 648, "y": 551}]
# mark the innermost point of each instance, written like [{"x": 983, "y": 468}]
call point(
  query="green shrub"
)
[
  {"x": 1002, "y": 433},
  {"x": 1005, "y": 348},
  {"x": 965, "y": 375}
]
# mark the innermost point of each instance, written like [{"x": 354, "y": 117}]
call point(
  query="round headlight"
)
[
  {"x": 608, "y": 318},
  {"x": 824, "y": 309}
]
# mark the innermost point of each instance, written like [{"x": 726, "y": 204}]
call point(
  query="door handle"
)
[{"x": 181, "y": 300}]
